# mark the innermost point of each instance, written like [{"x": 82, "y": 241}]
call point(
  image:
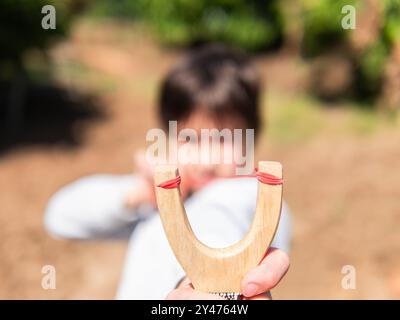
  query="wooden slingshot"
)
[{"x": 219, "y": 270}]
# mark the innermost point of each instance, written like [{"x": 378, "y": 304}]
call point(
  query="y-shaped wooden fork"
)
[{"x": 219, "y": 270}]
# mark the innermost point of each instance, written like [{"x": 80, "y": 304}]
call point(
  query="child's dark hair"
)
[{"x": 215, "y": 79}]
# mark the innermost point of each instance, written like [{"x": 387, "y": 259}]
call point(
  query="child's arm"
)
[{"x": 96, "y": 207}]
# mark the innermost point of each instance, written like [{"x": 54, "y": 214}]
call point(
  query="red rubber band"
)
[
  {"x": 263, "y": 177},
  {"x": 267, "y": 178},
  {"x": 171, "y": 184}
]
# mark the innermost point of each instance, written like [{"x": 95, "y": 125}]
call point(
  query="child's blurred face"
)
[{"x": 196, "y": 174}]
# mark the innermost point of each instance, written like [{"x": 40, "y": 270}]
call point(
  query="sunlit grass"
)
[
  {"x": 366, "y": 121},
  {"x": 79, "y": 76},
  {"x": 291, "y": 120},
  {"x": 300, "y": 118}
]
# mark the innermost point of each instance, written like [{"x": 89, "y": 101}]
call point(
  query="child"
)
[{"x": 214, "y": 87}]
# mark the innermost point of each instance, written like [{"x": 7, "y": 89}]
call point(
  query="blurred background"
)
[{"x": 78, "y": 100}]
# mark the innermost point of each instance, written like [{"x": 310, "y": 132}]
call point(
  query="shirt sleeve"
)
[{"x": 93, "y": 207}]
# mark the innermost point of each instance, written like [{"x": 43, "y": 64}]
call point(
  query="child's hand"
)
[
  {"x": 255, "y": 286},
  {"x": 143, "y": 191}
]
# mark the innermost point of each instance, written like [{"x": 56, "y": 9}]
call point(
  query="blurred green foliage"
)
[
  {"x": 257, "y": 25},
  {"x": 21, "y": 29},
  {"x": 323, "y": 35},
  {"x": 370, "y": 69},
  {"x": 252, "y": 24},
  {"x": 322, "y": 28},
  {"x": 322, "y": 23},
  {"x": 391, "y": 22}
]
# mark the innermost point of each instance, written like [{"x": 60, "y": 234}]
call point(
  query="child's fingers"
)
[
  {"x": 142, "y": 167},
  {"x": 188, "y": 293},
  {"x": 267, "y": 274},
  {"x": 184, "y": 283}
]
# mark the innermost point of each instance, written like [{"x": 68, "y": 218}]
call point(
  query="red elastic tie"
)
[
  {"x": 261, "y": 176},
  {"x": 267, "y": 178},
  {"x": 170, "y": 184}
]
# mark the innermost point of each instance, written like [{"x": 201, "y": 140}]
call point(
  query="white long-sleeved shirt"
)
[{"x": 93, "y": 208}]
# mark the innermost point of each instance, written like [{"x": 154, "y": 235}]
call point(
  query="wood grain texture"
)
[{"x": 221, "y": 269}]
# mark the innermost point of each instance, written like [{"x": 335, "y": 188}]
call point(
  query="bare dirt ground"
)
[{"x": 343, "y": 189}]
